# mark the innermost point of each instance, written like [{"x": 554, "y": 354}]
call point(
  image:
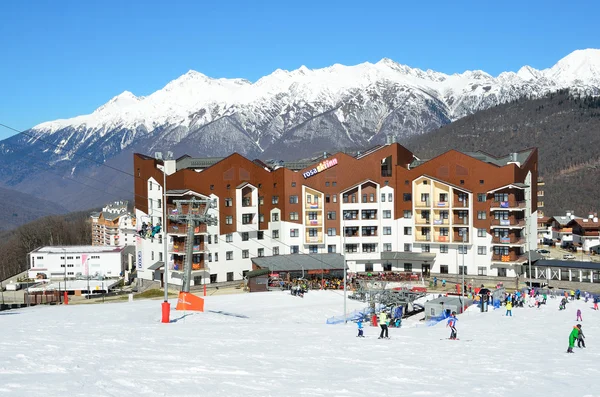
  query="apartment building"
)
[
  {"x": 113, "y": 226},
  {"x": 384, "y": 209}
]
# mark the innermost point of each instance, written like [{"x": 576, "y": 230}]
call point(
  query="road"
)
[{"x": 557, "y": 253}]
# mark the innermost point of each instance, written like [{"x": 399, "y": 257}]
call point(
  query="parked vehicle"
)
[
  {"x": 543, "y": 251},
  {"x": 568, "y": 256}
]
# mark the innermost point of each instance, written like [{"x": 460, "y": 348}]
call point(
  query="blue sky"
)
[{"x": 64, "y": 58}]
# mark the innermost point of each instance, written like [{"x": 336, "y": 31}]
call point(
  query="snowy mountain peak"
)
[{"x": 580, "y": 65}]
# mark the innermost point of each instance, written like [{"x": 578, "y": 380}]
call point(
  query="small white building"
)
[{"x": 79, "y": 261}]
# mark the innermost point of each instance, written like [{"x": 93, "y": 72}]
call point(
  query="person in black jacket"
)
[{"x": 580, "y": 341}]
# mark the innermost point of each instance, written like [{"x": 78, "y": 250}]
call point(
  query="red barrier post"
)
[
  {"x": 204, "y": 289},
  {"x": 166, "y": 311},
  {"x": 66, "y": 298}
]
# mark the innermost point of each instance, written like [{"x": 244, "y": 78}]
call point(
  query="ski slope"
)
[{"x": 273, "y": 344}]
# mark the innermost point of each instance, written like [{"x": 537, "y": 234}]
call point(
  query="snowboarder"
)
[
  {"x": 360, "y": 329},
  {"x": 508, "y": 309},
  {"x": 579, "y": 315},
  {"x": 383, "y": 324},
  {"x": 573, "y": 337},
  {"x": 452, "y": 324},
  {"x": 580, "y": 341}
]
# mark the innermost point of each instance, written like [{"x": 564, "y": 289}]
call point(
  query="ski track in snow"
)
[{"x": 284, "y": 347}]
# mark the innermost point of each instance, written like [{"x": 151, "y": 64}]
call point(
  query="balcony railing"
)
[
  {"x": 508, "y": 222},
  {"x": 182, "y": 229},
  {"x": 423, "y": 204},
  {"x": 313, "y": 222},
  {"x": 508, "y": 204},
  {"x": 460, "y": 239},
  {"x": 460, "y": 221},
  {"x": 422, "y": 221},
  {"x": 423, "y": 238},
  {"x": 181, "y": 248},
  {"x": 508, "y": 240},
  {"x": 442, "y": 239},
  {"x": 437, "y": 222},
  {"x": 179, "y": 266},
  {"x": 511, "y": 257},
  {"x": 442, "y": 204}
]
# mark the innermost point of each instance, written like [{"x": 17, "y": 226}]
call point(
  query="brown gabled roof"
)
[{"x": 586, "y": 225}]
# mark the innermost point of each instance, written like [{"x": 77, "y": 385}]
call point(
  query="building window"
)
[
  {"x": 462, "y": 249},
  {"x": 334, "y": 198},
  {"x": 368, "y": 267},
  {"x": 293, "y": 184},
  {"x": 229, "y": 255},
  {"x": 275, "y": 200},
  {"x": 481, "y": 232},
  {"x": 246, "y": 219},
  {"x": 229, "y": 220},
  {"x": 364, "y": 198},
  {"x": 275, "y": 217},
  {"x": 312, "y": 232},
  {"x": 462, "y": 270},
  {"x": 331, "y": 249},
  {"x": 331, "y": 215},
  {"x": 212, "y": 187},
  {"x": 261, "y": 217},
  {"x": 261, "y": 200},
  {"x": 216, "y": 240},
  {"x": 312, "y": 216},
  {"x": 261, "y": 252},
  {"x": 294, "y": 232},
  {"x": 407, "y": 231},
  {"x": 351, "y": 248},
  {"x": 481, "y": 271},
  {"x": 407, "y": 248},
  {"x": 443, "y": 249},
  {"x": 229, "y": 238},
  {"x": 331, "y": 231},
  {"x": 245, "y": 254},
  {"x": 408, "y": 267},
  {"x": 209, "y": 257},
  {"x": 209, "y": 239},
  {"x": 462, "y": 181},
  {"x": 228, "y": 202},
  {"x": 245, "y": 236},
  {"x": 327, "y": 198},
  {"x": 387, "y": 247},
  {"x": 481, "y": 250},
  {"x": 425, "y": 248},
  {"x": 500, "y": 196},
  {"x": 260, "y": 235},
  {"x": 444, "y": 269},
  {"x": 368, "y": 231},
  {"x": 371, "y": 197},
  {"x": 387, "y": 214},
  {"x": 387, "y": 231},
  {"x": 481, "y": 197},
  {"x": 294, "y": 249},
  {"x": 390, "y": 197},
  {"x": 308, "y": 198},
  {"x": 369, "y": 214},
  {"x": 481, "y": 215},
  {"x": 293, "y": 199},
  {"x": 350, "y": 214},
  {"x": 275, "y": 234},
  {"x": 327, "y": 184},
  {"x": 407, "y": 214},
  {"x": 313, "y": 249},
  {"x": 216, "y": 256},
  {"x": 383, "y": 197},
  {"x": 149, "y": 185},
  {"x": 293, "y": 216},
  {"x": 407, "y": 197},
  {"x": 275, "y": 251}
]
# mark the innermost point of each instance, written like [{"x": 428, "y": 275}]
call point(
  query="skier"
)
[
  {"x": 579, "y": 315},
  {"x": 360, "y": 328},
  {"x": 596, "y": 302},
  {"x": 573, "y": 337},
  {"x": 580, "y": 341},
  {"x": 383, "y": 324},
  {"x": 452, "y": 324},
  {"x": 508, "y": 309}
]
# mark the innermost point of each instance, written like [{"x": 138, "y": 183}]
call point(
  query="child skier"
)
[
  {"x": 452, "y": 324},
  {"x": 580, "y": 341},
  {"x": 508, "y": 309},
  {"x": 573, "y": 336},
  {"x": 579, "y": 315},
  {"x": 360, "y": 329},
  {"x": 596, "y": 302}
]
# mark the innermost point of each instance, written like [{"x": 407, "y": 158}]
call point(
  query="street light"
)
[
  {"x": 462, "y": 287},
  {"x": 87, "y": 270},
  {"x": 65, "y": 277},
  {"x": 159, "y": 156},
  {"x": 345, "y": 216}
]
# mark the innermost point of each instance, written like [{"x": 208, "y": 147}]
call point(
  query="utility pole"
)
[
  {"x": 197, "y": 213},
  {"x": 159, "y": 156}
]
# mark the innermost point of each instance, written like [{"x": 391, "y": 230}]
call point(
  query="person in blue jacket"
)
[
  {"x": 360, "y": 329},
  {"x": 452, "y": 324}
]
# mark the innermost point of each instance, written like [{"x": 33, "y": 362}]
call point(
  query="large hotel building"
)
[{"x": 383, "y": 209}]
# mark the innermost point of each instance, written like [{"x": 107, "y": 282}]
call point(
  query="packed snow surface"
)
[{"x": 274, "y": 344}]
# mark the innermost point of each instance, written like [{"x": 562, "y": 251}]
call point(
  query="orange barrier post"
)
[
  {"x": 66, "y": 298},
  {"x": 166, "y": 312},
  {"x": 204, "y": 289},
  {"x": 189, "y": 301}
]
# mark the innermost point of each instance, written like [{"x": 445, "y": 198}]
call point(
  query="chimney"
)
[
  {"x": 595, "y": 219},
  {"x": 513, "y": 159},
  {"x": 590, "y": 215}
]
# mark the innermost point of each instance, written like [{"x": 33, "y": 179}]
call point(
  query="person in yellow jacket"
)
[
  {"x": 509, "y": 308},
  {"x": 383, "y": 322}
]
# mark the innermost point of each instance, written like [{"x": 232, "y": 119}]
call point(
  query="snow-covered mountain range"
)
[{"x": 287, "y": 114}]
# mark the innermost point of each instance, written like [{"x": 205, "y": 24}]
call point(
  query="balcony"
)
[
  {"x": 507, "y": 205},
  {"x": 313, "y": 222},
  {"x": 246, "y": 202},
  {"x": 439, "y": 222},
  {"x": 420, "y": 237},
  {"x": 513, "y": 240},
  {"x": 180, "y": 248},
  {"x": 422, "y": 204},
  {"x": 510, "y": 258},
  {"x": 517, "y": 223},
  {"x": 185, "y": 209},
  {"x": 441, "y": 239},
  {"x": 182, "y": 229},
  {"x": 458, "y": 239},
  {"x": 180, "y": 266},
  {"x": 423, "y": 221},
  {"x": 460, "y": 221},
  {"x": 441, "y": 204}
]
